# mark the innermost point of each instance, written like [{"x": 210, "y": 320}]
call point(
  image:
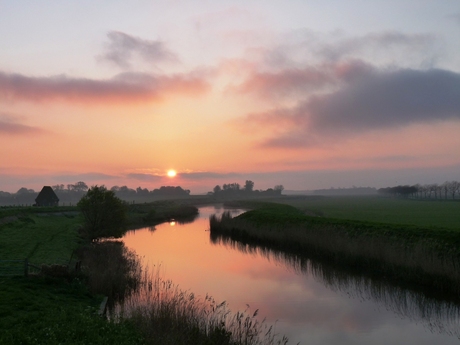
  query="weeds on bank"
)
[
  {"x": 167, "y": 315},
  {"x": 423, "y": 256}
]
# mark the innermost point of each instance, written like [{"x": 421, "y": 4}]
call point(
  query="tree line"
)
[
  {"x": 236, "y": 190},
  {"x": 71, "y": 193},
  {"x": 444, "y": 191}
]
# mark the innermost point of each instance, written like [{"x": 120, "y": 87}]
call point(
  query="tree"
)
[
  {"x": 249, "y": 186},
  {"x": 104, "y": 214},
  {"x": 217, "y": 189},
  {"x": 279, "y": 189},
  {"x": 80, "y": 187}
]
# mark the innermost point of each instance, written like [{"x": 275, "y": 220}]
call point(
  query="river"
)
[{"x": 307, "y": 302}]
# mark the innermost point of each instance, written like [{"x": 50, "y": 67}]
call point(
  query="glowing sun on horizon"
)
[{"x": 172, "y": 173}]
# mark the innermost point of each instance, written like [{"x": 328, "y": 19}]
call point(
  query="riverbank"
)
[
  {"x": 406, "y": 254},
  {"x": 42, "y": 309},
  {"x": 47, "y": 309}
]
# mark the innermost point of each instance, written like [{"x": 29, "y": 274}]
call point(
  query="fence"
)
[{"x": 12, "y": 268}]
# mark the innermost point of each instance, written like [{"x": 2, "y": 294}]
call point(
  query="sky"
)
[{"x": 306, "y": 94}]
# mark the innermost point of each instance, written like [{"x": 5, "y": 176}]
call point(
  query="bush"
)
[{"x": 104, "y": 214}]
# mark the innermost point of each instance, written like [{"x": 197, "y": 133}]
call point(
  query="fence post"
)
[{"x": 26, "y": 267}]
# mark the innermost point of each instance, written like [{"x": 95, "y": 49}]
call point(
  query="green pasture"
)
[
  {"x": 43, "y": 238},
  {"x": 48, "y": 311},
  {"x": 421, "y": 213}
]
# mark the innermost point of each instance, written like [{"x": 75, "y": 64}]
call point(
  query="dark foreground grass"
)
[
  {"x": 401, "y": 252},
  {"x": 41, "y": 310}
]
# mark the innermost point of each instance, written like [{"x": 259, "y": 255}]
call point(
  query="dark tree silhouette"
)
[
  {"x": 248, "y": 186},
  {"x": 104, "y": 214}
]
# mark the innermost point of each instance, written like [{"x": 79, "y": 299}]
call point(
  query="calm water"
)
[{"x": 310, "y": 304}]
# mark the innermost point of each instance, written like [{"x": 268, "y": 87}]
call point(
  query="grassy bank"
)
[
  {"x": 420, "y": 213},
  {"x": 405, "y": 253},
  {"x": 43, "y": 309}
]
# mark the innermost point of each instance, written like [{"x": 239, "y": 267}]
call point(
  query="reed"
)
[
  {"x": 164, "y": 314},
  {"x": 407, "y": 255},
  {"x": 110, "y": 269},
  {"x": 423, "y": 306}
]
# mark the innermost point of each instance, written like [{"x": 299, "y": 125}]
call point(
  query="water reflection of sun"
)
[{"x": 172, "y": 173}]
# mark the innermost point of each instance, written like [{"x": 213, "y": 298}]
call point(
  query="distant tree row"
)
[
  {"x": 166, "y": 191},
  {"x": 446, "y": 190},
  {"x": 235, "y": 190},
  {"x": 72, "y": 193}
]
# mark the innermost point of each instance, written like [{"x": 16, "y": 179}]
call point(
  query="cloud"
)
[
  {"x": 125, "y": 87},
  {"x": 291, "y": 81},
  {"x": 368, "y": 100},
  {"x": 203, "y": 175},
  {"x": 9, "y": 125},
  {"x": 301, "y": 82},
  {"x": 385, "y": 100},
  {"x": 122, "y": 48},
  {"x": 455, "y": 17},
  {"x": 382, "y": 42},
  {"x": 145, "y": 177},
  {"x": 90, "y": 176}
]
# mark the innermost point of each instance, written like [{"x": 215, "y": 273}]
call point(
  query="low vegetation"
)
[
  {"x": 61, "y": 306},
  {"x": 43, "y": 310},
  {"x": 168, "y": 316},
  {"x": 426, "y": 256},
  {"x": 160, "y": 211}
]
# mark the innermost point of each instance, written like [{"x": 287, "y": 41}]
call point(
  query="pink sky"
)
[{"x": 306, "y": 95}]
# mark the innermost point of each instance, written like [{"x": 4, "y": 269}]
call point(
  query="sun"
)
[{"x": 172, "y": 173}]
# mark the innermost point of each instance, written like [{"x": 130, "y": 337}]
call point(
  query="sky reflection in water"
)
[{"x": 303, "y": 307}]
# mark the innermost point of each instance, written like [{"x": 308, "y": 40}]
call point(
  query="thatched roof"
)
[{"x": 47, "y": 197}]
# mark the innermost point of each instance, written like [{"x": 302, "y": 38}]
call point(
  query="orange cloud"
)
[
  {"x": 125, "y": 87},
  {"x": 9, "y": 125}
]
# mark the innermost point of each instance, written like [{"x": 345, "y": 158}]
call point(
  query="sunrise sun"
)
[{"x": 172, "y": 173}]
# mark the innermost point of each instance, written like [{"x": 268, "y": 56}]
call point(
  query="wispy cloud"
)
[
  {"x": 204, "y": 175},
  {"x": 90, "y": 176},
  {"x": 10, "y": 125},
  {"x": 123, "y": 48},
  {"x": 380, "y": 42},
  {"x": 145, "y": 177},
  {"x": 125, "y": 87},
  {"x": 287, "y": 82}
]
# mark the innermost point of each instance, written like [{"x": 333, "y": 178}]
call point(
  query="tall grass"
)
[
  {"x": 167, "y": 315},
  {"x": 412, "y": 256},
  {"x": 413, "y": 302},
  {"x": 110, "y": 269}
]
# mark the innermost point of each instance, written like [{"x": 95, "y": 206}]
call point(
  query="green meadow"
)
[
  {"x": 46, "y": 310},
  {"x": 43, "y": 238},
  {"x": 376, "y": 209}
]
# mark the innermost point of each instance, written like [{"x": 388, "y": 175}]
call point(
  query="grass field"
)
[
  {"x": 44, "y": 310},
  {"x": 43, "y": 238},
  {"x": 48, "y": 311},
  {"x": 423, "y": 213}
]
